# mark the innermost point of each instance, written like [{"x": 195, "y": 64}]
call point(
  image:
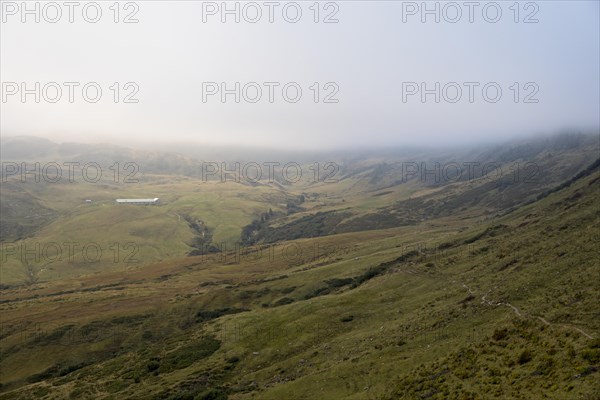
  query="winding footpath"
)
[{"x": 485, "y": 301}]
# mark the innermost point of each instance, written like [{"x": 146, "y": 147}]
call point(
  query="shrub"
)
[
  {"x": 500, "y": 334},
  {"x": 186, "y": 355},
  {"x": 147, "y": 335},
  {"x": 591, "y": 355},
  {"x": 337, "y": 282},
  {"x": 207, "y": 315},
  {"x": 153, "y": 365},
  {"x": 283, "y": 301},
  {"x": 212, "y": 394},
  {"x": 524, "y": 357}
]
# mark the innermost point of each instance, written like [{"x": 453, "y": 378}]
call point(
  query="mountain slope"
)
[{"x": 447, "y": 308}]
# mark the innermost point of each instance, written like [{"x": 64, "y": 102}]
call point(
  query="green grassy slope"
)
[
  {"x": 446, "y": 308},
  {"x": 400, "y": 192},
  {"x": 67, "y": 237}
]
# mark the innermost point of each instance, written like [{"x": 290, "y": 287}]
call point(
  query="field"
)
[{"x": 379, "y": 284}]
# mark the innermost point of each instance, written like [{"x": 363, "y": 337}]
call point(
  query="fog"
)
[{"x": 298, "y": 75}]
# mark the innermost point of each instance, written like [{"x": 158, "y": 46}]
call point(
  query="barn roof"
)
[{"x": 154, "y": 200}]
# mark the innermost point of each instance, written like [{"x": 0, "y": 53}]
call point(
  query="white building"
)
[{"x": 145, "y": 202}]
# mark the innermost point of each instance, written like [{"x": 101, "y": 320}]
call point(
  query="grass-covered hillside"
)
[{"x": 495, "y": 298}]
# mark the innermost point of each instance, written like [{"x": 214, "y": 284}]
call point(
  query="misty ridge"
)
[{"x": 188, "y": 158}]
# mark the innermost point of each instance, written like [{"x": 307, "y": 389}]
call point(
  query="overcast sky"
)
[{"x": 374, "y": 62}]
